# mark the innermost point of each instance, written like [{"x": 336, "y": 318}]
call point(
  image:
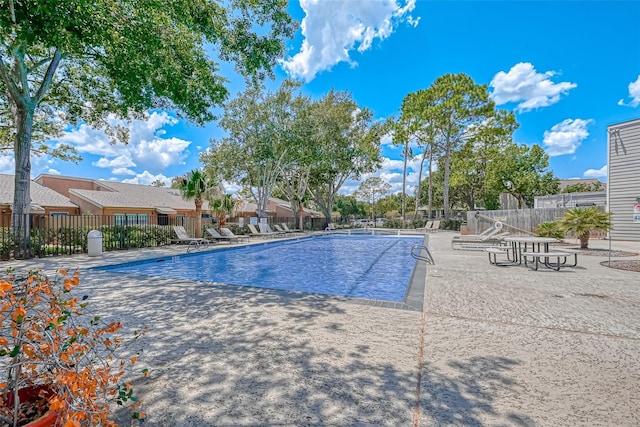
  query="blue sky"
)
[{"x": 567, "y": 69}]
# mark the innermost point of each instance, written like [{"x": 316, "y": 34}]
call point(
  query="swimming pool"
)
[{"x": 355, "y": 266}]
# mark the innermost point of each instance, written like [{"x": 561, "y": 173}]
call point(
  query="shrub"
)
[
  {"x": 48, "y": 339},
  {"x": 549, "y": 229}
]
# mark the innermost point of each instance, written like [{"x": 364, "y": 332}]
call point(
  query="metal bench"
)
[
  {"x": 536, "y": 256},
  {"x": 494, "y": 251}
]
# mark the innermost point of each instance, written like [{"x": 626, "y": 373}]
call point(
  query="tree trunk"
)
[
  {"x": 584, "y": 240},
  {"x": 22, "y": 183},
  {"x": 430, "y": 190},
  {"x": 198, "y": 230},
  {"x": 418, "y": 190},
  {"x": 404, "y": 185},
  {"x": 447, "y": 173}
]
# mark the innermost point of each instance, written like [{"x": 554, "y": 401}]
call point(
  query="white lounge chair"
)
[
  {"x": 229, "y": 233},
  {"x": 183, "y": 237},
  {"x": 282, "y": 230},
  {"x": 286, "y": 228},
  {"x": 331, "y": 227},
  {"x": 266, "y": 229},
  {"x": 254, "y": 232},
  {"x": 219, "y": 237}
]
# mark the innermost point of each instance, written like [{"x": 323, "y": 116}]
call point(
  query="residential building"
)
[
  {"x": 130, "y": 203},
  {"x": 44, "y": 201},
  {"x": 623, "y": 183}
]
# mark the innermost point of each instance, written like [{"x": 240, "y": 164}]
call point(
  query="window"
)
[{"x": 130, "y": 219}]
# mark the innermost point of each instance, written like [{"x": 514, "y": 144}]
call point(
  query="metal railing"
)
[{"x": 51, "y": 235}]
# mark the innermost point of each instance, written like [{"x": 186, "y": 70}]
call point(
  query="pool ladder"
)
[{"x": 416, "y": 253}]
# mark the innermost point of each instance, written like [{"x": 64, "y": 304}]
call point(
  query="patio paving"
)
[{"x": 497, "y": 346}]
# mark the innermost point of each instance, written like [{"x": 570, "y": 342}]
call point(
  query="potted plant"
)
[{"x": 59, "y": 365}]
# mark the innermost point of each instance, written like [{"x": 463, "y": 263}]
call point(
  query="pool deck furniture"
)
[
  {"x": 228, "y": 233},
  {"x": 532, "y": 250},
  {"x": 544, "y": 258},
  {"x": 279, "y": 229},
  {"x": 219, "y": 237},
  {"x": 494, "y": 251},
  {"x": 331, "y": 227},
  {"x": 286, "y": 228},
  {"x": 254, "y": 232},
  {"x": 430, "y": 226},
  {"x": 266, "y": 229},
  {"x": 192, "y": 242}
]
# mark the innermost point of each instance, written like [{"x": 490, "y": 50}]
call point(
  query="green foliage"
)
[
  {"x": 67, "y": 62},
  {"x": 582, "y": 221},
  {"x": 582, "y": 187},
  {"x": 372, "y": 187},
  {"x": 549, "y": 229},
  {"x": 393, "y": 223},
  {"x": 447, "y": 114},
  {"x": 349, "y": 207},
  {"x": 263, "y": 144},
  {"x": 451, "y": 224},
  {"x": 522, "y": 172}
]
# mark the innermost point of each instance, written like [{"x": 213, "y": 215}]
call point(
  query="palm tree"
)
[
  {"x": 582, "y": 221},
  {"x": 196, "y": 186},
  {"x": 223, "y": 206}
]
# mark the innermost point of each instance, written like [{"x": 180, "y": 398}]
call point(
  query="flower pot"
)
[{"x": 30, "y": 394}]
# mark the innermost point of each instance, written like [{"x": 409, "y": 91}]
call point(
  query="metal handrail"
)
[{"x": 418, "y": 255}]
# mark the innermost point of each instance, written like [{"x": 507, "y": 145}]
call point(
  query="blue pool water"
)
[{"x": 355, "y": 266}]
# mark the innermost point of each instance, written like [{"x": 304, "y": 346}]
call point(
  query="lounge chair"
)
[
  {"x": 183, "y": 237},
  {"x": 330, "y": 227},
  {"x": 228, "y": 233},
  {"x": 255, "y": 233},
  {"x": 266, "y": 228},
  {"x": 219, "y": 237},
  {"x": 267, "y": 231},
  {"x": 427, "y": 226},
  {"x": 281, "y": 230},
  {"x": 286, "y": 228}
]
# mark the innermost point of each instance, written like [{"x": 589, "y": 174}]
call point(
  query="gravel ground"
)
[{"x": 624, "y": 264}]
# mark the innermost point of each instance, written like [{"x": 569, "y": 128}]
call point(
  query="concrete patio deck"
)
[{"x": 494, "y": 346}]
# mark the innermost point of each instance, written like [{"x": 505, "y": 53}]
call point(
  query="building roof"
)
[
  {"x": 40, "y": 195},
  {"x": 123, "y": 195}
]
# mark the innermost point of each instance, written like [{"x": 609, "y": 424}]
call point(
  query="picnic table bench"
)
[
  {"x": 536, "y": 256},
  {"x": 494, "y": 251}
]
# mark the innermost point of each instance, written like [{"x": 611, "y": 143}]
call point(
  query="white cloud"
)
[
  {"x": 530, "y": 89},
  {"x": 146, "y": 178},
  {"x": 122, "y": 171},
  {"x": 53, "y": 172},
  {"x": 331, "y": 29},
  {"x": 565, "y": 137},
  {"x": 634, "y": 94},
  {"x": 597, "y": 173},
  {"x": 146, "y": 146},
  {"x": 7, "y": 164},
  {"x": 122, "y": 161}
]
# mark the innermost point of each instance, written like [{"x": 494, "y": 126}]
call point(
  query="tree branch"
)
[
  {"x": 48, "y": 77},
  {"x": 11, "y": 86}
]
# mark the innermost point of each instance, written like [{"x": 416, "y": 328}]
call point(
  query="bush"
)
[
  {"x": 451, "y": 224},
  {"x": 49, "y": 341},
  {"x": 549, "y": 229},
  {"x": 392, "y": 223}
]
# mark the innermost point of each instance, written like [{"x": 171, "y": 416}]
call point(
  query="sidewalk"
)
[{"x": 511, "y": 346}]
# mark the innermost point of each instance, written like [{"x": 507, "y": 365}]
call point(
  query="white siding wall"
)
[{"x": 623, "y": 186}]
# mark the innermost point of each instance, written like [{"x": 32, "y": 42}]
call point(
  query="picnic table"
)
[{"x": 537, "y": 249}]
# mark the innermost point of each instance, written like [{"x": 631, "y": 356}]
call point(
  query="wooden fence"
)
[{"x": 517, "y": 221}]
